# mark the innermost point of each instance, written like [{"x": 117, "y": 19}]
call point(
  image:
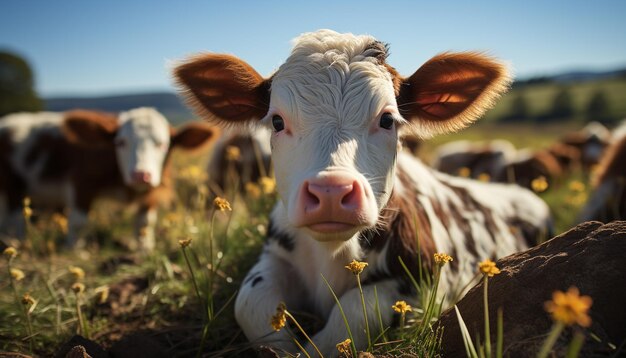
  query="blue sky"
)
[{"x": 79, "y": 47}]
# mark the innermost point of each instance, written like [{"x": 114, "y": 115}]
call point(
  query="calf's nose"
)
[
  {"x": 140, "y": 176},
  {"x": 337, "y": 198}
]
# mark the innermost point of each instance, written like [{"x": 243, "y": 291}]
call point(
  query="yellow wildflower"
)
[
  {"x": 253, "y": 190},
  {"x": 102, "y": 294},
  {"x": 356, "y": 267},
  {"x": 78, "y": 287},
  {"x": 441, "y": 258},
  {"x": 28, "y": 300},
  {"x": 192, "y": 173},
  {"x": 402, "y": 307},
  {"x": 267, "y": 184},
  {"x": 570, "y": 307},
  {"x": 489, "y": 268},
  {"x": 576, "y": 185},
  {"x": 465, "y": 172},
  {"x": 344, "y": 347},
  {"x": 17, "y": 274},
  {"x": 185, "y": 242},
  {"x": 279, "y": 320},
  {"x": 484, "y": 177},
  {"x": 27, "y": 211},
  {"x": 60, "y": 221},
  {"x": 10, "y": 252},
  {"x": 222, "y": 204},
  {"x": 233, "y": 153},
  {"x": 78, "y": 272},
  {"x": 539, "y": 184}
]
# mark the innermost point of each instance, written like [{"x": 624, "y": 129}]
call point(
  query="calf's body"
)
[{"x": 346, "y": 191}]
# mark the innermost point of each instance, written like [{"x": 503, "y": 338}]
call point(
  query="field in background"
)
[{"x": 155, "y": 295}]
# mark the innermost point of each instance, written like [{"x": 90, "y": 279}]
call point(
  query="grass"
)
[{"x": 184, "y": 298}]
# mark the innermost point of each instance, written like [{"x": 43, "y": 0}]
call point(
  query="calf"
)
[
  {"x": 249, "y": 162},
  {"x": 529, "y": 165},
  {"x": 608, "y": 200},
  {"x": 477, "y": 157},
  {"x": 347, "y": 191},
  {"x": 590, "y": 142},
  {"x": 66, "y": 160}
]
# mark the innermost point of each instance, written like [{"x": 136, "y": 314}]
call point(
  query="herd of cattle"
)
[
  {"x": 329, "y": 119},
  {"x": 64, "y": 161}
]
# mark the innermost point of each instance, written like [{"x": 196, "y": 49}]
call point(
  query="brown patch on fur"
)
[
  {"x": 89, "y": 128},
  {"x": 452, "y": 90},
  {"x": 223, "y": 88},
  {"x": 193, "y": 136},
  {"x": 401, "y": 220},
  {"x": 567, "y": 156}
]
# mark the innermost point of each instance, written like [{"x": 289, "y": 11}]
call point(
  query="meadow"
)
[{"x": 179, "y": 299}]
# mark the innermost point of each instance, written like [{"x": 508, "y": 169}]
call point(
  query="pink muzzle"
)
[{"x": 330, "y": 203}]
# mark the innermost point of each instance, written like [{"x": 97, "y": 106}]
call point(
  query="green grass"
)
[{"x": 156, "y": 294}]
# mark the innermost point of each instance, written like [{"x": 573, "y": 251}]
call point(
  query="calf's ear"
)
[
  {"x": 451, "y": 90},
  {"x": 90, "y": 128},
  {"x": 194, "y": 136},
  {"x": 223, "y": 88}
]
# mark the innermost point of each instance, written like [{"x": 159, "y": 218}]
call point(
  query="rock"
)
[
  {"x": 589, "y": 257},
  {"x": 72, "y": 349},
  {"x": 78, "y": 352}
]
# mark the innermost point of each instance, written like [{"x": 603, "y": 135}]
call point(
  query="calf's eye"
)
[
  {"x": 386, "y": 121},
  {"x": 278, "y": 123},
  {"x": 120, "y": 142}
]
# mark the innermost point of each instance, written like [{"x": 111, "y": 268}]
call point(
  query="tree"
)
[
  {"x": 519, "y": 109},
  {"x": 562, "y": 106},
  {"x": 598, "y": 108},
  {"x": 16, "y": 85}
]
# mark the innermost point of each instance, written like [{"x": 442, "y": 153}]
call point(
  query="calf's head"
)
[
  {"x": 142, "y": 139},
  {"x": 334, "y": 107}
]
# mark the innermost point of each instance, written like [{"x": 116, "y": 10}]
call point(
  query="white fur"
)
[{"x": 142, "y": 141}]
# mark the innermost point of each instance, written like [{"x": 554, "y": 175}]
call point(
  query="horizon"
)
[{"x": 79, "y": 49}]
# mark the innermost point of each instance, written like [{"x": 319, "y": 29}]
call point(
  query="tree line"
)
[{"x": 561, "y": 108}]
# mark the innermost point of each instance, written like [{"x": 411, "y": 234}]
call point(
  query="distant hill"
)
[
  {"x": 169, "y": 104},
  {"x": 572, "y": 76}
]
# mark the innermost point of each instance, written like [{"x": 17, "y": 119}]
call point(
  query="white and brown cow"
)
[
  {"x": 346, "y": 190},
  {"x": 608, "y": 199},
  {"x": 66, "y": 160}
]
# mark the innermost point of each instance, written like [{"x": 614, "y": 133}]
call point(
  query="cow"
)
[
  {"x": 240, "y": 155},
  {"x": 502, "y": 163},
  {"x": 529, "y": 165},
  {"x": 608, "y": 199},
  {"x": 590, "y": 142},
  {"x": 476, "y": 158},
  {"x": 67, "y": 160},
  {"x": 346, "y": 189}
]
